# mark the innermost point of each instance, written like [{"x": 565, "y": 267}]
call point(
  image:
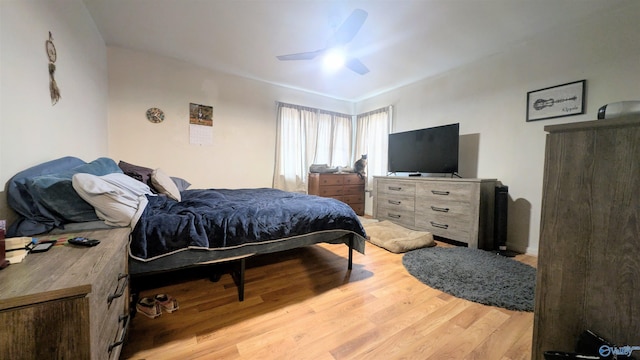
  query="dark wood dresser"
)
[
  {"x": 346, "y": 187},
  {"x": 589, "y": 256},
  {"x": 70, "y": 302}
]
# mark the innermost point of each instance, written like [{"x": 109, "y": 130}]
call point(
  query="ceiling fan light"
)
[{"x": 333, "y": 60}]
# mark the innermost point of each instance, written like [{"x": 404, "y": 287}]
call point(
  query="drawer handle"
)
[
  {"x": 435, "y": 208},
  {"x": 438, "y": 225},
  {"x": 121, "y": 291},
  {"x": 394, "y": 202},
  {"x": 395, "y": 216},
  {"x": 439, "y": 192},
  {"x": 125, "y": 318},
  {"x": 394, "y": 188}
]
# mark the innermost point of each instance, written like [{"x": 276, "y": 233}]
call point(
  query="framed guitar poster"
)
[{"x": 556, "y": 101}]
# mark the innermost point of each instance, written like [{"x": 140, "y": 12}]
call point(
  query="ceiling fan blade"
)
[
  {"x": 301, "y": 56},
  {"x": 357, "y": 66},
  {"x": 349, "y": 28}
]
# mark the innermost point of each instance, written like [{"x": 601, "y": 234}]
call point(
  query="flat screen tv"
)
[{"x": 431, "y": 150}]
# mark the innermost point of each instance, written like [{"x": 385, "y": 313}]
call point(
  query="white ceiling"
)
[{"x": 401, "y": 41}]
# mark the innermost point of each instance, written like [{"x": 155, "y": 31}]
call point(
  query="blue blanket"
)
[{"x": 222, "y": 218}]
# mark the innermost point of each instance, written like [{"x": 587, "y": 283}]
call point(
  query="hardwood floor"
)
[{"x": 304, "y": 304}]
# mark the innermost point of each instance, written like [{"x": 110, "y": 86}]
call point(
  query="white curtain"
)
[
  {"x": 308, "y": 136},
  {"x": 372, "y": 137}
]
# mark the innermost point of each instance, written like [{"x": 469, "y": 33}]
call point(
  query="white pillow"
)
[
  {"x": 117, "y": 198},
  {"x": 164, "y": 185}
]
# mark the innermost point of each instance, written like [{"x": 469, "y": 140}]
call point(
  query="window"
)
[
  {"x": 307, "y": 136},
  {"x": 372, "y": 137}
]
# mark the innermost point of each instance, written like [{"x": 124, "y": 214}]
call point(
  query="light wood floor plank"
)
[
  {"x": 498, "y": 343},
  {"x": 472, "y": 336},
  {"x": 521, "y": 350},
  {"x": 304, "y": 304}
]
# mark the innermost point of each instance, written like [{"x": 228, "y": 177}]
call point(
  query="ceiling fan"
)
[{"x": 345, "y": 33}]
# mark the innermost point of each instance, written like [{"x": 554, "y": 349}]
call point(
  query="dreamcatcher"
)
[{"x": 53, "y": 86}]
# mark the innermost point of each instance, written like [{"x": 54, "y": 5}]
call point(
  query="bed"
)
[{"x": 172, "y": 226}]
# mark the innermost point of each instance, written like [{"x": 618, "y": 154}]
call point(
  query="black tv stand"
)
[{"x": 416, "y": 174}]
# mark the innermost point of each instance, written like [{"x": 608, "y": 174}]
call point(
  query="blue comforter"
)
[{"x": 222, "y": 218}]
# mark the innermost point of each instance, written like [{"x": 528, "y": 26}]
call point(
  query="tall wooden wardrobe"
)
[{"x": 589, "y": 256}]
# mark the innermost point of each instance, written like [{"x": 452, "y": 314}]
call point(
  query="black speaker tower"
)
[{"x": 500, "y": 218}]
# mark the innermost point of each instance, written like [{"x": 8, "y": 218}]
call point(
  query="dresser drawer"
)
[
  {"x": 400, "y": 217},
  {"x": 108, "y": 298},
  {"x": 398, "y": 202},
  {"x": 353, "y": 179},
  {"x": 113, "y": 324},
  {"x": 331, "y": 191},
  {"x": 453, "y": 220},
  {"x": 357, "y": 208},
  {"x": 353, "y": 199},
  {"x": 331, "y": 179},
  {"x": 458, "y": 212},
  {"x": 446, "y": 226},
  {"x": 447, "y": 191},
  {"x": 114, "y": 329},
  {"x": 396, "y": 188},
  {"x": 353, "y": 190}
]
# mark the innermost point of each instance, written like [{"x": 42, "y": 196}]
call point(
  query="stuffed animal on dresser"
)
[{"x": 360, "y": 166}]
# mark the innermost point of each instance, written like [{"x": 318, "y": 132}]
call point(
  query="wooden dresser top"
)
[
  {"x": 428, "y": 178},
  {"x": 623, "y": 121},
  {"x": 62, "y": 271}
]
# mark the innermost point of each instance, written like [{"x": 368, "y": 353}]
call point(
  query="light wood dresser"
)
[
  {"x": 346, "y": 187},
  {"x": 456, "y": 209},
  {"x": 69, "y": 302},
  {"x": 589, "y": 253}
]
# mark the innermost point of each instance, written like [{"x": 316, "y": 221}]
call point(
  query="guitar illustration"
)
[{"x": 542, "y": 103}]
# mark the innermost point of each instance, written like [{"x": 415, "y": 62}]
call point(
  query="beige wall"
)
[
  {"x": 244, "y": 120},
  {"x": 31, "y": 129},
  {"x": 488, "y": 99}
]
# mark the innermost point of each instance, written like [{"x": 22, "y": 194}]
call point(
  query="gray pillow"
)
[{"x": 181, "y": 183}]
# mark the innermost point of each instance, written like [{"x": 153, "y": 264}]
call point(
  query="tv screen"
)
[{"x": 430, "y": 150}]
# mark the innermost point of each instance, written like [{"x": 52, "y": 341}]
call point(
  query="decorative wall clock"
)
[
  {"x": 53, "y": 56},
  {"x": 155, "y": 115}
]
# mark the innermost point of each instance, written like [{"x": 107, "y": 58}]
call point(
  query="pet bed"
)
[{"x": 396, "y": 238}]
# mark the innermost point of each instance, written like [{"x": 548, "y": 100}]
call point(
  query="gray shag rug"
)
[{"x": 476, "y": 275}]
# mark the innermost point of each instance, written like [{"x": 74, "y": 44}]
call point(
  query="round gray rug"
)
[{"x": 475, "y": 275}]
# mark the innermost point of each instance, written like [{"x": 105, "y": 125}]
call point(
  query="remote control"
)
[
  {"x": 82, "y": 241},
  {"x": 42, "y": 247}
]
